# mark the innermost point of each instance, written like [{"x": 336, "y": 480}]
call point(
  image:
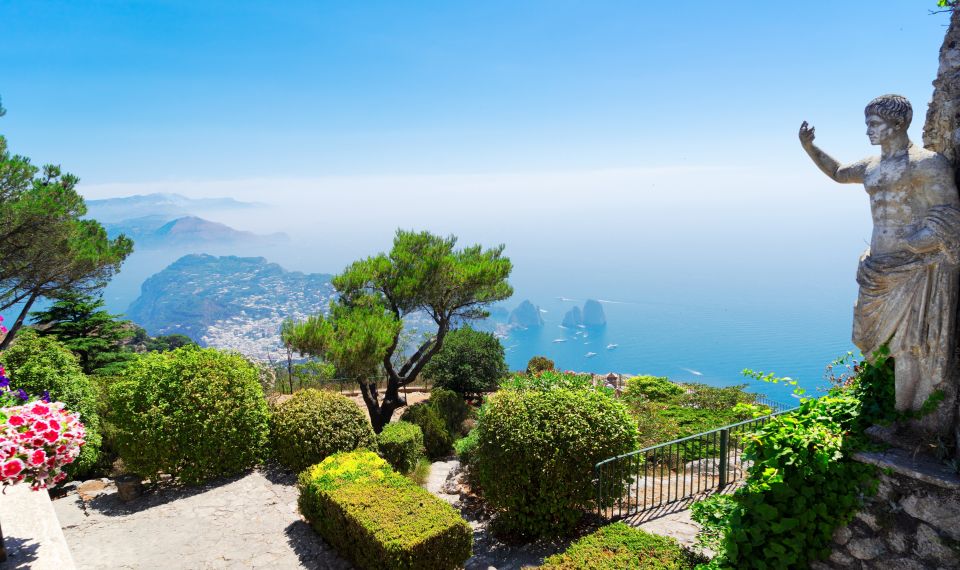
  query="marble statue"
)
[{"x": 909, "y": 277}]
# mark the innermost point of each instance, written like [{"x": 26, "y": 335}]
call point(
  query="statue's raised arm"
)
[{"x": 848, "y": 174}]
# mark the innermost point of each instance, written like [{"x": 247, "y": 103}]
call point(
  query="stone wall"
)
[{"x": 912, "y": 523}]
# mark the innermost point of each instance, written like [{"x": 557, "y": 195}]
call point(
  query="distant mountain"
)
[
  {"x": 157, "y": 231},
  {"x": 166, "y": 206},
  {"x": 229, "y": 302},
  {"x": 526, "y": 315}
]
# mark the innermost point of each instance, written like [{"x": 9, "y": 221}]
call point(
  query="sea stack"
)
[
  {"x": 593, "y": 315},
  {"x": 573, "y": 318},
  {"x": 526, "y": 315}
]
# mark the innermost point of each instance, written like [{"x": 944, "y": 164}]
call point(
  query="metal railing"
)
[{"x": 669, "y": 472}]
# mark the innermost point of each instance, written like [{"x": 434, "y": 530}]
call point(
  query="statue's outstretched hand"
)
[{"x": 806, "y": 134}]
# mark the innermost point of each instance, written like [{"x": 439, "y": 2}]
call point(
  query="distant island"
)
[
  {"x": 592, "y": 315},
  {"x": 166, "y": 206},
  {"x": 229, "y": 302},
  {"x": 158, "y": 231}
]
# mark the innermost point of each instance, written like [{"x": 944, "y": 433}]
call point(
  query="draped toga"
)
[{"x": 909, "y": 301}]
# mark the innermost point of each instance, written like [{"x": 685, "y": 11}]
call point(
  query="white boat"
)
[
  {"x": 559, "y": 340},
  {"x": 590, "y": 354},
  {"x": 612, "y": 346}
]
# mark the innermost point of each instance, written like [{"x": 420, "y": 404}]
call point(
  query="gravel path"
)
[{"x": 245, "y": 522}]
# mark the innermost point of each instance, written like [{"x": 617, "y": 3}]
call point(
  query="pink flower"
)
[
  {"x": 51, "y": 436},
  {"x": 12, "y": 468},
  {"x": 54, "y": 424},
  {"x": 16, "y": 421},
  {"x": 38, "y": 457},
  {"x": 40, "y": 409},
  {"x": 41, "y": 426}
]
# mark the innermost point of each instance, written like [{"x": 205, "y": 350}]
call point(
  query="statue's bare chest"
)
[{"x": 890, "y": 185}]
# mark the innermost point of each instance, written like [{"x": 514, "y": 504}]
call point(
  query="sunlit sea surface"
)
[{"x": 709, "y": 344}]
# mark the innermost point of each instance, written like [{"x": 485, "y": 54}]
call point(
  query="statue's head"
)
[{"x": 886, "y": 116}]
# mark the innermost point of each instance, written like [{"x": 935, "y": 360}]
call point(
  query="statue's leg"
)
[{"x": 909, "y": 383}]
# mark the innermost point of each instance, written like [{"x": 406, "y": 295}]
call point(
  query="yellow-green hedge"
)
[
  {"x": 619, "y": 547},
  {"x": 379, "y": 519}
]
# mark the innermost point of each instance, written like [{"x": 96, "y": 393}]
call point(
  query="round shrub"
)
[
  {"x": 314, "y": 424},
  {"x": 41, "y": 363},
  {"x": 540, "y": 364},
  {"x": 436, "y": 437},
  {"x": 470, "y": 362},
  {"x": 452, "y": 409},
  {"x": 401, "y": 444},
  {"x": 536, "y": 450},
  {"x": 194, "y": 413}
]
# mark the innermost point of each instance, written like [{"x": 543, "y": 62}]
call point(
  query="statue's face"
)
[{"x": 879, "y": 129}]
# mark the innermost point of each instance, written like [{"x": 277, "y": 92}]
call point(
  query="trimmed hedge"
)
[
  {"x": 401, "y": 444},
  {"x": 620, "y": 547},
  {"x": 314, "y": 424},
  {"x": 379, "y": 519},
  {"x": 41, "y": 363},
  {"x": 436, "y": 437},
  {"x": 194, "y": 413},
  {"x": 535, "y": 454}
]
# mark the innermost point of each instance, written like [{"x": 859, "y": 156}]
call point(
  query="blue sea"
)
[{"x": 711, "y": 344}]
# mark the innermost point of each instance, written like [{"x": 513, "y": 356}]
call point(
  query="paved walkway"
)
[{"x": 244, "y": 522}]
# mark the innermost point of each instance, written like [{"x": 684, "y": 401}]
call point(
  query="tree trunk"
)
[
  {"x": 8, "y": 338},
  {"x": 941, "y": 133}
]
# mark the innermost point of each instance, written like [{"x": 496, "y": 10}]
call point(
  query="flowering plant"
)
[{"x": 37, "y": 440}]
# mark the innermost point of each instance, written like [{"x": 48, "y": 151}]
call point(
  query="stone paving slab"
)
[
  {"x": 31, "y": 531},
  {"x": 245, "y": 522}
]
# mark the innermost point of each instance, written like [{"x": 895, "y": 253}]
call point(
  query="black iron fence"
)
[{"x": 669, "y": 472}]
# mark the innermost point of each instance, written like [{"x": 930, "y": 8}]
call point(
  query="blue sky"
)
[
  {"x": 170, "y": 91},
  {"x": 628, "y": 150}
]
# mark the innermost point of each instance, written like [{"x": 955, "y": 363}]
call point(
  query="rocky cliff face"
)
[
  {"x": 229, "y": 302},
  {"x": 593, "y": 315},
  {"x": 573, "y": 318},
  {"x": 526, "y": 315}
]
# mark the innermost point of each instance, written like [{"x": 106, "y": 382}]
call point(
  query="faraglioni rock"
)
[
  {"x": 573, "y": 318},
  {"x": 526, "y": 315},
  {"x": 593, "y": 315}
]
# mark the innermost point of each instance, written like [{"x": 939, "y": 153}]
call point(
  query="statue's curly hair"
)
[{"x": 894, "y": 108}]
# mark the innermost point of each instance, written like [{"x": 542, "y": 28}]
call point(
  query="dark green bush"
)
[
  {"x": 470, "y": 362},
  {"x": 539, "y": 364},
  {"x": 193, "y": 413},
  {"x": 436, "y": 437},
  {"x": 41, "y": 363},
  {"x": 314, "y": 424},
  {"x": 536, "y": 450},
  {"x": 379, "y": 519},
  {"x": 618, "y": 547},
  {"x": 401, "y": 444},
  {"x": 452, "y": 409}
]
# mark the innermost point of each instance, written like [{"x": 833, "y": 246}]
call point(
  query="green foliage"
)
[
  {"x": 436, "y": 436},
  {"x": 47, "y": 249},
  {"x": 651, "y": 389},
  {"x": 168, "y": 342},
  {"x": 667, "y": 410},
  {"x": 380, "y": 520},
  {"x": 193, "y": 413},
  {"x": 470, "y": 362},
  {"x": 801, "y": 487},
  {"x": 451, "y": 408},
  {"x": 401, "y": 444},
  {"x": 540, "y": 364},
  {"x": 313, "y": 425},
  {"x": 39, "y": 364},
  {"x": 713, "y": 514},
  {"x": 97, "y": 338},
  {"x": 874, "y": 387},
  {"x": 466, "y": 446},
  {"x": 536, "y": 451},
  {"x": 548, "y": 380},
  {"x": 620, "y": 547},
  {"x": 422, "y": 272}
]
